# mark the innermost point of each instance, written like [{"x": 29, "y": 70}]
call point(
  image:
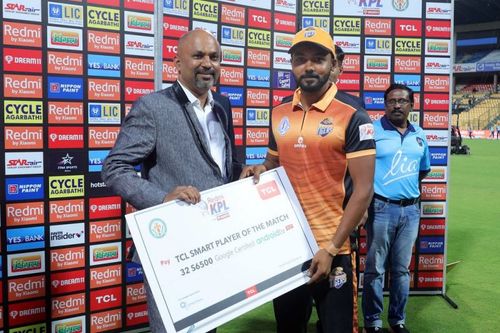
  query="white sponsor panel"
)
[
  {"x": 210, "y": 27},
  {"x": 282, "y": 41},
  {"x": 64, "y": 38},
  {"x": 437, "y": 65},
  {"x": 24, "y": 163},
  {"x": 386, "y": 8},
  {"x": 65, "y": 14},
  {"x": 349, "y": 44},
  {"x": 464, "y": 68},
  {"x": 26, "y": 263},
  {"x": 281, "y": 60},
  {"x": 438, "y": 47},
  {"x": 139, "y": 45},
  {"x": 233, "y": 55},
  {"x": 105, "y": 253},
  {"x": 438, "y": 10},
  {"x": 437, "y": 138},
  {"x": 139, "y": 22},
  {"x": 67, "y": 234},
  {"x": 77, "y": 321},
  {"x": 377, "y": 63},
  {"x": 25, "y": 10},
  {"x": 287, "y": 6}
]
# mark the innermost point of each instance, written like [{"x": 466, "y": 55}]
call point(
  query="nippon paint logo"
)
[
  {"x": 64, "y": 38},
  {"x": 439, "y": 155},
  {"x": 28, "y": 188},
  {"x": 232, "y": 55},
  {"x": 235, "y": 94},
  {"x": 431, "y": 244},
  {"x": 68, "y": 88},
  {"x": 139, "y": 22}
]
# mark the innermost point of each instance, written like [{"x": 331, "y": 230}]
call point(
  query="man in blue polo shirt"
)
[{"x": 402, "y": 161}]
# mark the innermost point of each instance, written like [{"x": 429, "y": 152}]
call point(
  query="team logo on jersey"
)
[
  {"x": 420, "y": 141},
  {"x": 338, "y": 278},
  {"x": 284, "y": 126},
  {"x": 325, "y": 127}
]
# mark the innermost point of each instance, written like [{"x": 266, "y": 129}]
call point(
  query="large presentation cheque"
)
[{"x": 241, "y": 246}]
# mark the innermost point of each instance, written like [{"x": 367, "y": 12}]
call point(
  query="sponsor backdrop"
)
[{"x": 71, "y": 71}]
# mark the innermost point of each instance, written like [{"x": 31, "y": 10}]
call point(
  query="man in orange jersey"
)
[{"x": 322, "y": 140}]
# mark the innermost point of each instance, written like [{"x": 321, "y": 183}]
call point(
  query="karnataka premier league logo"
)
[
  {"x": 157, "y": 228},
  {"x": 400, "y": 5}
]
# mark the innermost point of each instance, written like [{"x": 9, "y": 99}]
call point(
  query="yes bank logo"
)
[
  {"x": 25, "y": 238},
  {"x": 96, "y": 159},
  {"x": 102, "y": 65},
  {"x": 412, "y": 81},
  {"x": 255, "y": 155},
  {"x": 104, "y": 113},
  {"x": 258, "y": 78}
]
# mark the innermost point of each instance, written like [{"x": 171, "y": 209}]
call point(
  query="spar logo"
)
[
  {"x": 26, "y": 263},
  {"x": 437, "y": 10},
  {"x": 281, "y": 60},
  {"x": 433, "y": 209},
  {"x": 409, "y": 46},
  {"x": 23, "y": 163},
  {"x": 139, "y": 22},
  {"x": 23, "y": 112},
  {"x": 282, "y": 41},
  {"x": 284, "y": 22},
  {"x": 437, "y": 65},
  {"x": 22, "y": 34},
  {"x": 259, "y": 38},
  {"x": 348, "y": 44},
  {"x": 105, "y": 253},
  {"x": 347, "y": 25},
  {"x": 232, "y": 14},
  {"x": 259, "y": 58},
  {"x": 64, "y": 38},
  {"x": 139, "y": 45},
  {"x": 104, "y": 113},
  {"x": 205, "y": 10},
  {"x": 66, "y": 186},
  {"x": 22, "y": 60},
  {"x": 105, "y": 207},
  {"x": 67, "y": 282},
  {"x": 106, "y": 321},
  {"x": 103, "y": 18},
  {"x": 73, "y": 325},
  {"x": 320, "y": 22},
  {"x": 19, "y": 214},
  {"x": 378, "y": 27},
  {"x": 26, "y": 10},
  {"x": 64, "y": 14},
  {"x": 139, "y": 68},
  {"x": 175, "y": 27},
  {"x": 437, "y": 47},
  {"x": 103, "y": 41},
  {"x": 65, "y": 112},
  {"x": 437, "y": 174},
  {"x": 377, "y": 63},
  {"x": 231, "y": 75},
  {"x": 437, "y": 137}
]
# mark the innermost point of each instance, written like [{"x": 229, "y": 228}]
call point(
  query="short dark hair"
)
[
  {"x": 395, "y": 86},
  {"x": 339, "y": 54}
]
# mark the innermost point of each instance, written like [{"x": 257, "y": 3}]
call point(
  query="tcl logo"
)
[
  {"x": 259, "y": 18},
  {"x": 105, "y": 298},
  {"x": 268, "y": 190},
  {"x": 170, "y": 48},
  {"x": 412, "y": 28}
]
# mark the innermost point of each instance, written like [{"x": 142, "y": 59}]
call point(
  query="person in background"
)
[
  {"x": 498, "y": 130},
  {"x": 320, "y": 140},
  {"x": 182, "y": 136},
  {"x": 402, "y": 161}
]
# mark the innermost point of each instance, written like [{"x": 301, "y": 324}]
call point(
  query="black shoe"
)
[
  {"x": 399, "y": 328},
  {"x": 373, "y": 330}
]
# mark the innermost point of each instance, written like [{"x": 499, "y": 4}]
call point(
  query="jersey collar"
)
[{"x": 320, "y": 105}]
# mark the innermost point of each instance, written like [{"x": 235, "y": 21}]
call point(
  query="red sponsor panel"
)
[
  {"x": 106, "y": 321},
  {"x": 103, "y": 89},
  {"x": 257, "y": 136},
  {"x": 268, "y": 190},
  {"x": 432, "y": 227},
  {"x": 66, "y": 210},
  {"x": 436, "y": 102},
  {"x": 430, "y": 280},
  {"x": 278, "y": 96},
  {"x": 431, "y": 262},
  {"x": 144, "y": 5},
  {"x": 103, "y": 231},
  {"x": 105, "y": 207},
  {"x": 65, "y": 112},
  {"x": 232, "y": 76},
  {"x": 232, "y": 14},
  {"x": 129, "y": 208},
  {"x": 285, "y": 22},
  {"x": 435, "y": 120},
  {"x": 407, "y": 64},
  {"x": 27, "y": 312},
  {"x": 22, "y": 34},
  {"x": 238, "y": 136},
  {"x": 362, "y": 263},
  {"x": 408, "y": 28},
  {"x": 416, "y": 101},
  {"x": 348, "y": 81},
  {"x": 258, "y": 97},
  {"x": 259, "y": 18},
  {"x": 67, "y": 282},
  {"x": 22, "y": 60},
  {"x": 103, "y": 41},
  {"x": 136, "y": 293},
  {"x": 437, "y": 83},
  {"x": 258, "y": 58},
  {"x": 111, "y": 3},
  {"x": 433, "y": 191},
  {"x": 1, "y": 307},
  {"x": 379, "y": 82},
  {"x": 65, "y": 137},
  {"x": 438, "y": 28},
  {"x": 169, "y": 48},
  {"x": 139, "y": 68},
  {"x": 103, "y": 137},
  {"x": 378, "y": 27},
  {"x": 23, "y": 137},
  {"x": 375, "y": 115},
  {"x": 105, "y": 298},
  {"x": 363, "y": 247},
  {"x": 136, "y": 89},
  {"x": 175, "y": 26},
  {"x": 137, "y": 314},
  {"x": 24, "y": 213},
  {"x": 68, "y": 305},
  {"x": 128, "y": 107},
  {"x": 22, "y": 86},
  {"x": 26, "y": 288},
  {"x": 67, "y": 258},
  {"x": 351, "y": 63},
  {"x": 252, "y": 291},
  {"x": 169, "y": 71},
  {"x": 64, "y": 63},
  {"x": 237, "y": 116},
  {"x": 128, "y": 247},
  {"x": 105, "y": 276}
]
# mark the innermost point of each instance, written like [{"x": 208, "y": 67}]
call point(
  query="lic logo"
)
[{"x": 157, "y": 228}]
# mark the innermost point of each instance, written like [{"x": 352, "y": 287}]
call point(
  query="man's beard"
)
[
  {"x": 311, "y": 87},
  {"x": 204, "y": 84}
]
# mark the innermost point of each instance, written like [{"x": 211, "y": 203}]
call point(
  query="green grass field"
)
[{"x": 473, "y": 239}]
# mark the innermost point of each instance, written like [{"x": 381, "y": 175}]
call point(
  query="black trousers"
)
[{"x": 333, "y": 297}]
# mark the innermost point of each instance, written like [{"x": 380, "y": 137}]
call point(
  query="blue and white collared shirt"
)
[{"x": 399, "y": 160}]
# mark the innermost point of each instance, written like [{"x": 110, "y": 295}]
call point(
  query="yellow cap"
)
[{"x": 316, "y": 36}]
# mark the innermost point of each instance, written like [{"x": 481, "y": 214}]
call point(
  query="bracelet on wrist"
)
[{"x": 332, "y": 250}]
